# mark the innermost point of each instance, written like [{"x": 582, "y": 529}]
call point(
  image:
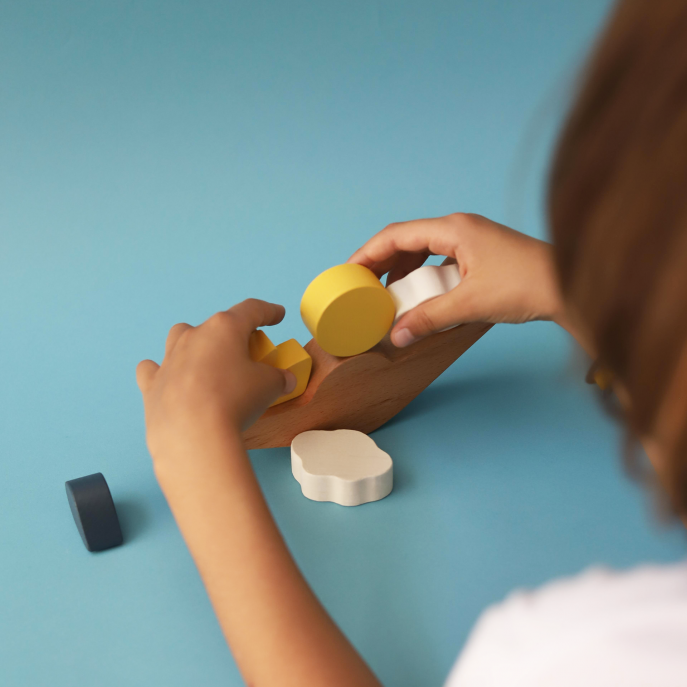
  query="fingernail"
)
[
  {"x": 402, "y": 338},
  {"x": 291, "y": 381}
]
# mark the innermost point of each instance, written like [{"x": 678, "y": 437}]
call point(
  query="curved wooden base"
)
[{"x": 364, "y": 391}]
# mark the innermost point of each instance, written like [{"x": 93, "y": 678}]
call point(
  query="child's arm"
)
[
  {"x": 196, "y": 405},
  {"x": 506, "y": 276}
]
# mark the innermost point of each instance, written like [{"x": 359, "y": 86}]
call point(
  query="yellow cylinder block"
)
[{"x": 347, "y": 310}]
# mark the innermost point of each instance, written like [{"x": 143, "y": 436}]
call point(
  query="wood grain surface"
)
[{"x": 364, "y": 391}]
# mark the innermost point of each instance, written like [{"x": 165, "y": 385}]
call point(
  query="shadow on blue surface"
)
[
  {"x": 497, "y": 385},
  {"x": 134, "y": 517}
]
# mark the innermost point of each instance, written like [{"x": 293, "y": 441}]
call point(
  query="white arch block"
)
[
  {"x": 421, "y": 285},
  {"x": 343, "y": 466}
]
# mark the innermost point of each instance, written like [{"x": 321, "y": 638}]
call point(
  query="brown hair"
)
[{"x": 618, "y": 211}]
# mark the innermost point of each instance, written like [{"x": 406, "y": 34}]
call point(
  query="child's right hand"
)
[
  {"x": 506, "y": 276},
  {"x": 207, "y": 385}
]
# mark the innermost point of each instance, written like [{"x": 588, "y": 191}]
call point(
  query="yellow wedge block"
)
[
  {"x": 289, "y": 355},
  {"x": 259, "y": 345},
  {"x": 347, "y": 310}
]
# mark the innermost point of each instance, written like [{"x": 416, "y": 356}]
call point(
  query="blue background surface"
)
[{"x": 162, "y": 160}]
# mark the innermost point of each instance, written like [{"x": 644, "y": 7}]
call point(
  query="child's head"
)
[{"x": 618, "y": 212}]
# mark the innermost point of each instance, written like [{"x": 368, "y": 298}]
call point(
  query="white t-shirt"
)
[{"x": 598, "y": 629}]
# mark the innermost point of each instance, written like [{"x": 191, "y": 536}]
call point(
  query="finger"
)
[
  {"x": 174, "y": 334},
  {"x": 384, "y": 266},
  {"x": 274, "y": 381},
  {"x": 145, "y": 374},
  {"x": 253, "y": 313},
  {"x": 436, "y": 315},
  {"x": 290, "y": 381},
  {"x": 278, "y": 381},
  {"x": 271, "y": 383},
  {"x": 434, "y": 236}
]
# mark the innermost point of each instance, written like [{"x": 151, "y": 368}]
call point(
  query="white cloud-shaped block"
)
[
  {"x": 421, "y": 285},
  {"x": 343, "y": 466}
]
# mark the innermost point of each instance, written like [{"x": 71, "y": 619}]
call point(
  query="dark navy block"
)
[{"x": 94, "y": 512}]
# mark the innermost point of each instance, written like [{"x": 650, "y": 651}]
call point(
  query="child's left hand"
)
[{"x": 207, "y": 383}]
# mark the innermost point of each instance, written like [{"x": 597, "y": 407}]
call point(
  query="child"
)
[{"x": 615, "y": 278}]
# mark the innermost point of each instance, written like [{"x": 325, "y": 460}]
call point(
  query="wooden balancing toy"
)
[{"x": 350, "y": 375}]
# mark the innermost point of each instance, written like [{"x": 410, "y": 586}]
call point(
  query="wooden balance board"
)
[{"x": 364, "y": 391}]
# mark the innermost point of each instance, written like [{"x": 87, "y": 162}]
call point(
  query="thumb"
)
[
  {"x": 278, "y": 382},
  {"x": 145, "y": 374},
  {"x": 435, "y": 315},
  {"x": 290, "y": 381},
  {"x": 271, "y": 384}
]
